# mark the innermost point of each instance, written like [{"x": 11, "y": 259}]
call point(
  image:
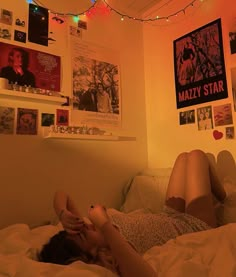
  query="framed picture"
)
[{"x": 199, "y": 66}]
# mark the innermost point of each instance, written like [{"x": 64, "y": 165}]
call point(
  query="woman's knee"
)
[
  {"x": 182, "y": 157},
  {"x": 197, "y": 154}
]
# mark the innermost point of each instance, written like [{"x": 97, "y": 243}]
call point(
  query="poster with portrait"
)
[
  {"x": 199, "y": 66},
  {"x": 27, "y": 121},
  {"x": 96, "y": 85},
  {"x": 30, "y": 67}
]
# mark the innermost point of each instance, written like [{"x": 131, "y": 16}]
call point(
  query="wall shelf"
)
[
  {"x": 32, "y": 97},
  {"x": 89, "y": 137}
]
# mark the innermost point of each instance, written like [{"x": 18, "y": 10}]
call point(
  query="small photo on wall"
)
[
  {"x": 229, "y": 132},
  {"x": 5, "y": 31},
  {"x": 204, "y": 118},
  {"x": 7, "y": 117},
  {"x": 223, "y": 115},
  {"x": 233, "y": 81},
  {"x": 47, "y": 119},
  {"x": 62, "y": 117},
  {"x": 27, "y": 121},
  {"x": 232, "y": 39},
  {"x": 20, "y": 36},
  {"x": 187, "y": 117},
  {"x": 6, "y": 16}
]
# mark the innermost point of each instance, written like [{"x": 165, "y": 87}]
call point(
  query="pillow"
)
[{"x": 147, "y": 192}]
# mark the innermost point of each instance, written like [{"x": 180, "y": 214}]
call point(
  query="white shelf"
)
[
  {"x": 89, "y": 137},
  {"x": 32, "y": 97}
]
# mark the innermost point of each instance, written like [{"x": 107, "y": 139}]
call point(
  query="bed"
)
[{"x": 207, "y": 253}]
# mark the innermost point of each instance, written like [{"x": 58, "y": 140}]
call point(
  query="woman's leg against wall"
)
[
  {"x": 175, "y": 194},
  {"x": 198, "y": 195}
]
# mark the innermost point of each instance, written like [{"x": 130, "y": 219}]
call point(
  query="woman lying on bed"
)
[{"x": 117, "y": 241}]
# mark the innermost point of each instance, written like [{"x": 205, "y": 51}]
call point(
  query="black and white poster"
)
[{"x": 199, "y": 66}]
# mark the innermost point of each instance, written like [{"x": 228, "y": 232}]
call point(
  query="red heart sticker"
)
[{"x": 217, "y": 134}]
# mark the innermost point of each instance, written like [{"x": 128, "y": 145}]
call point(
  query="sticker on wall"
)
[
  {"x": 6, "y": 17},
  {"x": 204, "y": 118},
  {"x": 217, "y": 135},
  {"x": 20, "y": 36},
  {"x": 62, "y": 117},
  {"x": 5, "y": 31},
  {"x": 20, "y": 22},
  {"x": 27, "y": 121},
  {"x": 199, "y": 66},
  {"x": 75, "y": 32},
  {"x": 223, "y": 115},
  {"x": 187, "y": 117},
  {"x": 229, "y": 132},
  {"x": 47, "y": 119},
  {"x": 82, "y": 24},
  {"x": 7, "y": 118}
]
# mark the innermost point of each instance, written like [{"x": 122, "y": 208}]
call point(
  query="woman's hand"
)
[
  {"x": 98, "y": 215},
  {"x": 71, "y": 223}
]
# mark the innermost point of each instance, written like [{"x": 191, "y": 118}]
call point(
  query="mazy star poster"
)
[{"x": 199, "y": 66}]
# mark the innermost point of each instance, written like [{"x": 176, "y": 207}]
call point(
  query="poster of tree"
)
[
  {"x": 199, "y": 66},
  {"x": 96, "y": 85}
]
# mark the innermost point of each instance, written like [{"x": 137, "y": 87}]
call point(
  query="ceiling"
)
[{"x": 133, "y": 7}]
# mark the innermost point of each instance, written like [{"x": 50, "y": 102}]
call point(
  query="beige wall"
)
[
  {"x": 32, "y": 168},
  {"x": 166, "y": 138}
]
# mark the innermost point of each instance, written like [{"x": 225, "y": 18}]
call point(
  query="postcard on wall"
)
[
  {"x": 204, "y": 118},
  {"x": 41, "y": 70},
  {"x": 5, "y": 31},
  {"x": 27, "y": 121},
  {"x": 229, "y": 132},
  {"x": 62, "y": 117},
  {"x": 199, "y": 66},
  {"x": 47, "y": 119},
  {"x": 187, "y": 117},
  {"x": 223, "y": 115},
  {"x": 96, "y": 85},
  {"x": 7, "y": 118},
  {"x": 6, "y": 16},
  {"x": 233, "y": 81},
  {"x": 232, "y": 36}
]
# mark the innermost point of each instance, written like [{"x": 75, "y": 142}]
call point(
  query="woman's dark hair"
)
[
  {"x": 24, "y": 54},
  {"x": 62, "y": 250}
]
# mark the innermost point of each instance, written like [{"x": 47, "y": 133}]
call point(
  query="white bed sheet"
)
[{"x": 209, "y": 253}]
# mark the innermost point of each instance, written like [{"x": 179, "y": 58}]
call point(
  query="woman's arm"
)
[
  {"x": 67, "y": 212},
  {"x": 129, "y": 261},
  {"x": 62, "y": 201}
]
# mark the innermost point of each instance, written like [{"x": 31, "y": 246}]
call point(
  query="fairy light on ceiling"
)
[{"x": 94, "y": 8}]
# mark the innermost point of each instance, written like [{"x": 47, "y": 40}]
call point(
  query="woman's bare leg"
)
[
  {"x": 198, "y": 194},
  {"x": 175, "y": 194}
]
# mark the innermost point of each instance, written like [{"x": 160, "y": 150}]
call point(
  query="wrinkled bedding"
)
[{"x": 206, "y": 253}]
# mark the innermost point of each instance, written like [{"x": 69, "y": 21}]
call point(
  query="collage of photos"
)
[
  {"x": 208, "y": 117},
  {"x": 22, "y": 121}
]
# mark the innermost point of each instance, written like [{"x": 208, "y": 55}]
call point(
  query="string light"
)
[
  {"x": 167, "y": 18},
  {"x": 91, "y": 11}
]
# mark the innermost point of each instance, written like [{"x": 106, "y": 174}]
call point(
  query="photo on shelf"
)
[
  {"x": 47, "y": 119},
  {"x": 7, "y": 118},
  {"x": 27, "y": 121},
  {"x": 62, "y": 117}
]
